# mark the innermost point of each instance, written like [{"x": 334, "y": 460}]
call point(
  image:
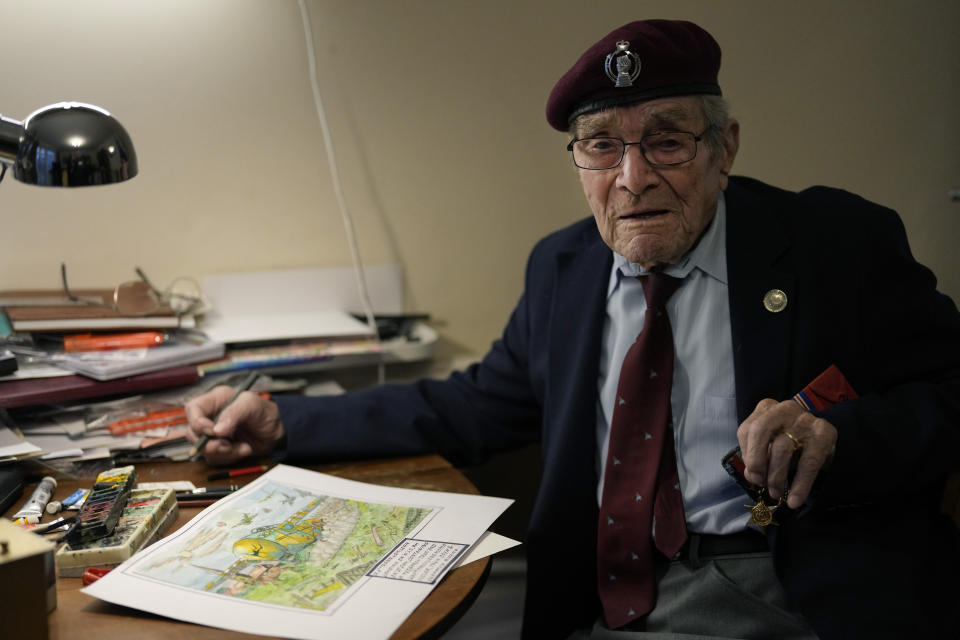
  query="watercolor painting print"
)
[{"x": 283, "y": 545}]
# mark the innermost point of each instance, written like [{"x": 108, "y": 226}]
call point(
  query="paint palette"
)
[{"x": 102, "y": 509}]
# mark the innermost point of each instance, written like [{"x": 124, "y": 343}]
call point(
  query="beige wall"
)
[{"x": 437, "y": 112}]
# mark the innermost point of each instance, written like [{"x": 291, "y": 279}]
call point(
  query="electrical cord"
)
[{"x": 338, "y": 188}]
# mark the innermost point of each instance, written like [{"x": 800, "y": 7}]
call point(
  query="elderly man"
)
[{"x": 694, "y": 314}]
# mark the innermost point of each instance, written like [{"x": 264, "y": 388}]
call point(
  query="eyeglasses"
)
[
  {"x": 140, "y": 297},
  {"x": 665, "y": 149}
]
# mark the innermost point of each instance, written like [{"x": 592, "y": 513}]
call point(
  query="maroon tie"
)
[{"x": 641, "y": 504}]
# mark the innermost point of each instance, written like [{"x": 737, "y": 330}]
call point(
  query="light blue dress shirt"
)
[{"x": 703, "y": 398}]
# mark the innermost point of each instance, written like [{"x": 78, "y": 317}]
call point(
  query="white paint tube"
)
[{"x": 32, "y": 509}]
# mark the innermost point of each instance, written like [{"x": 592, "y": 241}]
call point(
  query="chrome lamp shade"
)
[{"x": 68, "y": 144}]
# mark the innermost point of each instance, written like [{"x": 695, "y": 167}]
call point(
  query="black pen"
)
[
  {"x": 204, "y": 438},
  {"x": 213, "y": 493},
  {"x": 227, "y": 488}
]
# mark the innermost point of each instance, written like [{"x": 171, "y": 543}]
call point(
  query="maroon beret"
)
[{"x": 639, "y": 61}]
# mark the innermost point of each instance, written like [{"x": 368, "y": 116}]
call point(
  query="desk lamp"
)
[{"x": 68, "y": 144}]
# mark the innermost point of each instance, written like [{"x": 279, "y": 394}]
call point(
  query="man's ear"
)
[{"x": 731, "y": 143}]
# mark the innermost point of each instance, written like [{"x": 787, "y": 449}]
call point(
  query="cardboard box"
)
[{"x": 28, "y": 582}]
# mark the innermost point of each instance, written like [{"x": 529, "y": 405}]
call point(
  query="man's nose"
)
[{"x": 636, "y": 174}]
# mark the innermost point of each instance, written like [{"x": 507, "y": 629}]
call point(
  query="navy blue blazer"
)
[{"x": 871, "y": 557}]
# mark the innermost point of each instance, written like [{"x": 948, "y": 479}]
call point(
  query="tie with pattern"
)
[{"x": 641, "y": 504}]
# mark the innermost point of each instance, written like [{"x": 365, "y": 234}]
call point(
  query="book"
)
[
  {"x": 51, "y": 310},
  {"x": 118, "y": 364},
  {"x": 26, "y": 393}
]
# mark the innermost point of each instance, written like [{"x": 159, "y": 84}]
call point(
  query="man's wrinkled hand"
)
[
  {"x": 778, "y": 435},
  {"x": 249, "y": 426}
]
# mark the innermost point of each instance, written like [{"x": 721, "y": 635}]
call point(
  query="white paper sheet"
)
[
  {"x": 300, "y": 554},
  {"x": 13, "y": 445},
  {"x": 295, "y": 303},
  {"x": 273, "y": 325},
  {"x": 56, "y": 443},
  {"x": 488, "y": 544},
  {"x": 32, "y": 370},
  {"x": 311, "y": 289}
]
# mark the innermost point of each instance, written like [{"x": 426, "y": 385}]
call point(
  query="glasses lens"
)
[
  {"x": 597, "y": 153},
  {"x": 135, "y": 298},
  {"x": 183, "y": 295},
  {"x": 669, "y": 148}
]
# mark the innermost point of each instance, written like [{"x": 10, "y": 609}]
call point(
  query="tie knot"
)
[{"x": 658, "y": 287}]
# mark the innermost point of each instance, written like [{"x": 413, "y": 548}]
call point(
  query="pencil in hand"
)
[{"x": 204, "y": 438}]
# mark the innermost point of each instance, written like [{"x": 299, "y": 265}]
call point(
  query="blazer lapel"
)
[
  {"x": 579, "y": 302},
  {"x": 756, "y": 249}
]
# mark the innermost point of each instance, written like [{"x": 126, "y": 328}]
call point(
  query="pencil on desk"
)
[{"x": 204, "y": 438}]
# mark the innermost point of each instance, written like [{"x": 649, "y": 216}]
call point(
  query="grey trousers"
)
[{"x": 736, "y": 596}]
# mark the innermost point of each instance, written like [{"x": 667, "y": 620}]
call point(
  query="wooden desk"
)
[{"x": 79, "y": 615}]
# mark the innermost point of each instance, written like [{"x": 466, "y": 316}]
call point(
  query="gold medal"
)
[{"x": 761, "y": 514}]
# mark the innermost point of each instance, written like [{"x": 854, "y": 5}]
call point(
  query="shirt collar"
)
[{"x": 709, "y": 255}]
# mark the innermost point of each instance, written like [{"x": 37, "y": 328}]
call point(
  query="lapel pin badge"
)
[{"x": 775, "y": 301}]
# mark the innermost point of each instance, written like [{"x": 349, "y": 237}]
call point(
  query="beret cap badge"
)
[{"x": 627, "y": 65}]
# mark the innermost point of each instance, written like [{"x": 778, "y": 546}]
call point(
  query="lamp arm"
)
[{"x": 9, "y": 139}]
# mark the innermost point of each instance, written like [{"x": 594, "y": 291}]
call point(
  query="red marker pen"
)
[
  {"x": 220, "y": 475},
  {"x": 107, "y": 342}
]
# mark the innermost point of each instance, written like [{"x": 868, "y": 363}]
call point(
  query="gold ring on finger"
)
[{"x": 796, "y": 443}]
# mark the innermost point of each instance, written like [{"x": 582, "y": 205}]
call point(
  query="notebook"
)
[{"x": 51, "y": 310}]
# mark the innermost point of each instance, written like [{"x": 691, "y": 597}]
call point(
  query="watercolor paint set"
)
[
  {"x": 102, "y": 509},
  {"x": 147, "y": 515}
]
